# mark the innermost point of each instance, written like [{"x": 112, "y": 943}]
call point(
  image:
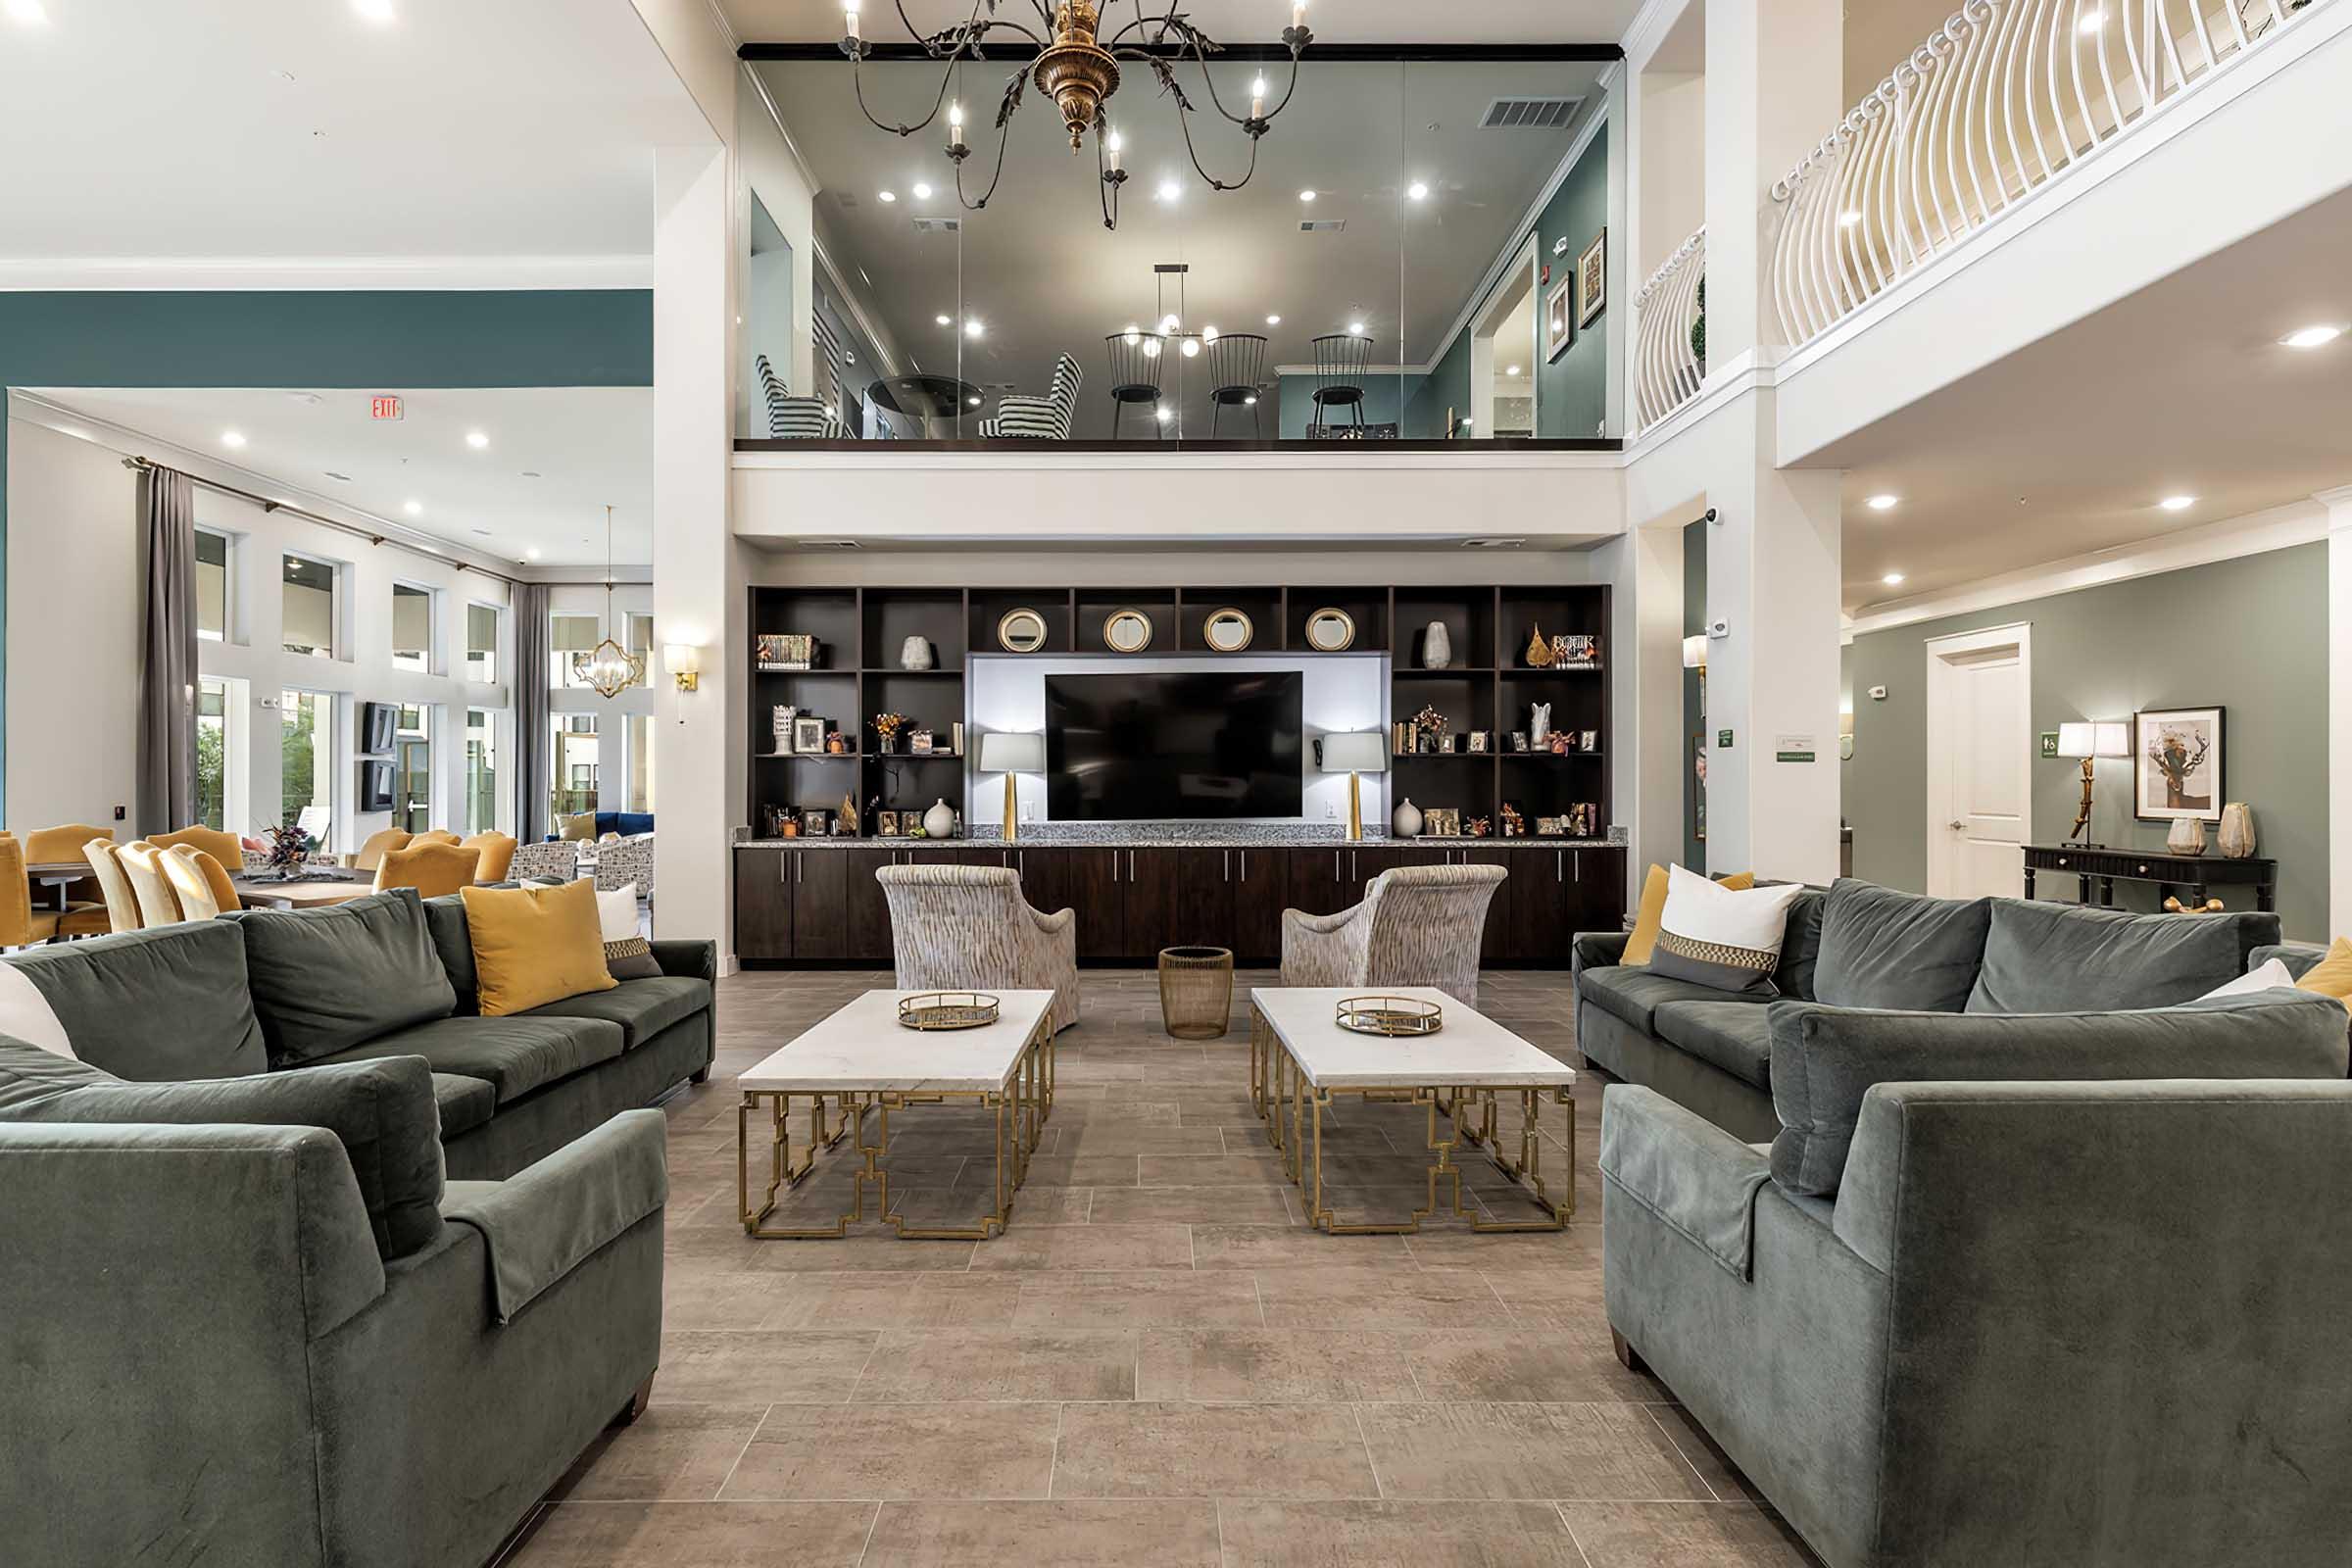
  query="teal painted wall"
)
[
  {"x": 2249, "y": 634},
  {"x": 1695, "y": 714},
  {"x": 1384, "y": 397},
  {"x": 1572, "y": 392},
  {"x": 361, "y": 338},
  {"x": 1445, "y": 387}
]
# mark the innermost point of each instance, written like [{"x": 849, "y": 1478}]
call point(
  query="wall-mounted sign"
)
[
  {"x": 1723, "y": 740},
  {"x": 2050, "y": 743},
  {"x": 1792, "y": 749},
  {"x": 385, "y": 408}
]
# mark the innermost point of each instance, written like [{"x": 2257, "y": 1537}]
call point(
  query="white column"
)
[
  {"x": 1775, "y": 86},
  {"x": 2340, "y": 708},
  {"x": 698, "y": 578}
]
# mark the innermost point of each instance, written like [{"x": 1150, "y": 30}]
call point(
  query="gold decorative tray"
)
[
  {"x": 947, "y": 1010},
  {"x": 1390, "y": 1016}
]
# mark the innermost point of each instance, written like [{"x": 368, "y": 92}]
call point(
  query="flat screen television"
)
[{"x": 1151, "y": 747}]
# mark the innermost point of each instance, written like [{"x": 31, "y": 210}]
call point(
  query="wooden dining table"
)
[
  {"x": 267, "y": 892},
  {"x": 55, "y": 878}
]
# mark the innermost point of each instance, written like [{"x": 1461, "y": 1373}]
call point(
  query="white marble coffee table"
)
[
  {"x": 1299, "y": 1057},
  {"x": 869, "y": 1065}
]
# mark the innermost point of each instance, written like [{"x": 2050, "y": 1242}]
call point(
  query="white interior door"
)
[{"x": 1979, "y": 757}]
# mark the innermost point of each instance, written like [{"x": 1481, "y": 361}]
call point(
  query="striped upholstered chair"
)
[
  {"x": 1419, "y": 925},
  {"x": 791, "y": 419},
  {"x": 967, "y": 927},
  {"x": 1036, "y": 418}
]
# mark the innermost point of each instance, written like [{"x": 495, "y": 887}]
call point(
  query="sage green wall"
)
[
  {"x": 2250, "y": 635},
  {"x": 1695, "y": 716}
]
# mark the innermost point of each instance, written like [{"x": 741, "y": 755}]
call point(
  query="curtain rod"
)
[{"x": 141, "y": 464}]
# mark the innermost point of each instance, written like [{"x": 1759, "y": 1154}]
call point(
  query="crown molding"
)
[{"x": 326, "y": 272}]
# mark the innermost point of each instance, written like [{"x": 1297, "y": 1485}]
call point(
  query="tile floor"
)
[{"x": 1157, "y": 1364}]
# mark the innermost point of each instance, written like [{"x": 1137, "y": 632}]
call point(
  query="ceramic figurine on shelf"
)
[
  {"x": 939, "y": 822},
  {"x": 1437, "y": 647},
  {"x": 1514, "y": 825},
  {"x": 1542, "y": 727},
  {"x": 1539, "y": 651},
  {"x": 916, "y": 654},
  {"x": 847, "y": 821},
  {"x": 1406, "y": 820}
]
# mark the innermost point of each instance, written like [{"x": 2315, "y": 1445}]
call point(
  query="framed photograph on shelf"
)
[
  {"x": 1559, "y": 318},
  {"x": 1592, "y": 280},
  {"x": 921, "y": 743},
  {"x": 808, "y": 737},
  {"x": 816, "y": 822},
  {"x": 886, "y": 824},
  {"x": 1518, "y": 740},
  {"x": 1478, "y": 743},
  {"x": 2177, "y": 764},
  {"x": 1443, "y": 822}
]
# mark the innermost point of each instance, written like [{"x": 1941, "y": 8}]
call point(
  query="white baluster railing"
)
[
  {"x": 2002, "y": 99},
  {"x": 1667, "y": 366}
]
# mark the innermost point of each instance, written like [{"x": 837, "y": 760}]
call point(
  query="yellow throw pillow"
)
[
  {"x": 1651, "y": 917},
  {"x": 580, "y": 828},
  {"x": 535, "y": 945},
  {"x": 2334, "y": 976}
]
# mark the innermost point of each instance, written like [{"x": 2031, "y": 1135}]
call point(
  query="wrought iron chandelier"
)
[
  {"x": 1078, "y": 68},
  {"x": 609, "y": 668}
]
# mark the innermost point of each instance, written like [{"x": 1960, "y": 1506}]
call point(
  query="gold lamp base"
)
[
  {"x": 1012, "y": 810},
  {"x": 2082, "y": 816},
  {"x": 1355, "y": 807}
]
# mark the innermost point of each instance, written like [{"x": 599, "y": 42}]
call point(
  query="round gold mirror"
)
[
  {"x": 1227, "y": 631},
  {"x": 1021, "y": 631}
]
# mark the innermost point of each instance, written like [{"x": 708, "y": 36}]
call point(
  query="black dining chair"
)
[
  {"x": 1136, "y": 362},
  {"x": 1236, "y": 370},
  {"x": 1341, "y": 362}
]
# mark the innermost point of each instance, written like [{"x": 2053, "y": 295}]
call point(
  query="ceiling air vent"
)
[
  {"x": 1529, "y": 114},
  {"x": 939, "y": 226},
  {"x": 831, "y": 544},
  {"x": 1323, "y": 226},
  {"x": 1493, "y": 544}
]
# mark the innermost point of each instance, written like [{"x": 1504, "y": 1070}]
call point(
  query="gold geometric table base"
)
[
  {"x": 1019, "y": 1120},
  {"x": 1279, "y": 1084}
]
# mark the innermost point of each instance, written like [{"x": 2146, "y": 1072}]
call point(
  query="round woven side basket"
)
[{"x": 1195, "y": 991}]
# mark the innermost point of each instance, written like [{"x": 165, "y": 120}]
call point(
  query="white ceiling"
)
[
  {"x": 2065, "y": 448},
  {"x": 1041, "y": 272},
  {"x": 520, "y": 130},
  {"x": 1232, "y": 22},
  {"x": 591, "y": 446}
]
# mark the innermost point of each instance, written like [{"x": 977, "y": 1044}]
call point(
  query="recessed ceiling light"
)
[
  {"x": 2312, "y": 337},
  {"x": 379, "y": 11},
  {"x": 415, "y": 509},
  {"x": 1306, "y": 195},
  {"x": 1166, "y": 415},
  {"x": 973, "y": 400},
  {"x": 27, "y": 12},
  {"x": 1273, "y": 321},
  {"x": 922, "y": 190},
  {"x": 2177, "y": 502},
  {"x": 1418, "y": 191},
  {"x": 1849, "y": 218},
  {"x": 476, "y": 440},
  {"x": 973, "y": 328},
  {"x": 1356, "y": 329},
  {"x": 1249, "y": 402},
  {"x": 531, "y": 553},
  {"x": 1170, "y": 191},
  {"x": 945, "y": 320},
  {"x": 234, "y": 440},
  {"x": 1884, "y": 502},
  {"x": 1892, "y": 579},
  {"x": 2092, "y": 21},
  {"x": 886, "y": 197},
  {"x": 1513, "y": 371}
]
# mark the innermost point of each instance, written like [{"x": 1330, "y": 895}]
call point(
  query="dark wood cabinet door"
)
[
  {"x": 1205, "y": 899},
  {"x": 1087, "y": 881},
  {"x": 1598, "y": 876},
  {"x": 1549, "y": 904},
  {"x": 820, "y": 905},
  {"x": 1153, "y": 897},
  {"x": 865, "y": 905},
  {"x": 1260, "y": 892},
  {"x": 1316, "y": 881},
  {"x": 1365, "y": 864},
  {"x": 762, "y": 906},
  {"x": 1499, "y": 943}
]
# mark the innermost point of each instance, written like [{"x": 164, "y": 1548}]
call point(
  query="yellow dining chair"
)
[
  {"x": 222, "y": 847},
  {"x": 438, "y": 835},
  {"x": 184, "y": 867},
  {"x": 433, "y": 869},
  {"x": 379, "y": 844},
  {"x": 142, "y": 863},
  {"x": 122, "y": 905},
  {"x": 498, "y": 856},
  {"x": 20, "y": 926},
  {"x": 83, "y": 916}
]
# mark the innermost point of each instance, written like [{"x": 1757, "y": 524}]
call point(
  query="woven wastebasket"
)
[{"x": 1195, "y": 991}]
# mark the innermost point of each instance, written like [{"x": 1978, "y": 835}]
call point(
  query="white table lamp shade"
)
[
  {"x": 1694, "y": 650},
  {"x": 1007, "y": 752},
  {"x": 1358, "y": 751},
  {"x": 2102, "y": 739}
]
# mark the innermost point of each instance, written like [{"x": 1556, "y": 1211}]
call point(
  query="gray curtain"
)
[
  {"x": 168, "y": 668},
  {"x": 531, "y": 741}
]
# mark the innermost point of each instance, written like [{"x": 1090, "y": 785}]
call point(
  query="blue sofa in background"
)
[{"x": 628, "y": 824}]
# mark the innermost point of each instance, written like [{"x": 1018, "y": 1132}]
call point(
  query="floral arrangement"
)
[
  {"x": 289, "y": 846},
  {"x": 888, "y": 725},
  {"x": 1430, "y": 719}
]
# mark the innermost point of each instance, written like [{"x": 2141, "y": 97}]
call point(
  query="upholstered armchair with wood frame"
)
[
  {"x": 185, "y": 868},
  {"x": 1418, "y": 925},
  {"x": 143, "y": 864},
  {"x": 114, "y": 884},
  {"x": 965, "y": 927},
  {"x": 496, "y": 851},
  {"x": 380, "y": 843},
  {"x": 225, "y": 848},
  {"x": 433, "y": 869}
]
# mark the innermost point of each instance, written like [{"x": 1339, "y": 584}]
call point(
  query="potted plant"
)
[{"x": 1698, "y": 331}]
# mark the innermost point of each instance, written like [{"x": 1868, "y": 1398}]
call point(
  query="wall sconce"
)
[{"x": 685, "y": 662}]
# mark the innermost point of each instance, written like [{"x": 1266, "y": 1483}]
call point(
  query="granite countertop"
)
[{"x": 1238, "y": 836}]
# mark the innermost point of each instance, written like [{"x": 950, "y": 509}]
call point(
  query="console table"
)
[{"x": 2193, "y": 875}]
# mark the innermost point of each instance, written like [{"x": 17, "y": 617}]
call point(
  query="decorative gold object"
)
[
  {"x": 1391, "y": 1016},
  {"x": 1077, "y": 73},
  {"x": 1227, "y": 631},
  {"x": 1330, "y": 630},
  {"x": 609, "y": 668},
  {"x": 847, "y": 821},
  {"x": 1195, "y": 992},
  {"x": 1021, "y": 631},
  {"x": 948, "y": 1009},
  {"x": 1127, "y": 631},
  {"x": 2174, "y": 905},
  {"x": 1539, "y": 651}
]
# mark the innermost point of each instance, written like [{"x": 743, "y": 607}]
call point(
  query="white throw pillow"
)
[
  {"x": 26, "y": 1014},
  {"x": 2262, "y": 977},
  {"x": 616, "y": 913},
  {"x": 1728, "y": 939}
]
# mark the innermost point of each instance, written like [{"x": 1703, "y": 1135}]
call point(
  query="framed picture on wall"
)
[
  {"x": 1559, "y": 318},
  {"x": 2177, "y": 764},
  {"x": 1592, "y": 280}
]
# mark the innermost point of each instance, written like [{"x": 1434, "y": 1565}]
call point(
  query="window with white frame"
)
[
  {"x": 567, "y": 635},
  {"x": 309, "y": 748},
  {"x": 413, "y": 768},
  {"x": 572, "y": 774},
  {"x": 412, "y": 627},
  {"x": 481, "y": 643},
  {"x": 221, "y": 754},
  {"x": 307, "y": 595},
  {"x": 481, "y": 769},
  {"x": 214, "y": 551},
  {"x": 637, "y": 636},
  {"x": 638, "y": 795}
]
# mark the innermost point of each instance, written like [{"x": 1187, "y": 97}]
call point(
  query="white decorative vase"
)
[
  {"x": 940, "y": 821},
  {"x": 1406, "y": 820},
  {"x": 1543, "y": 724},
  {"x": 2187, "y": 836},
  {"x": 916, "y": 654},
  {"x": 2236, "y": 838},
  {"x": 1437, "y": 647}
]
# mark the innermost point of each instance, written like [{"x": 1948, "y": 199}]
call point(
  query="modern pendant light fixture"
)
[
  {"x": 609, "y": 668},
  {"x": 1077, "y": 65}
]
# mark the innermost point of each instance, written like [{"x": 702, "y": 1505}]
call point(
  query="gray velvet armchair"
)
[{"x": 1418, "y": 925}]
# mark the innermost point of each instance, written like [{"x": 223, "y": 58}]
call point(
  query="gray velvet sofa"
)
[
  {"x": 1859, "y": 945},
  {"x": 245, "y": 1321},
  {"x": 383, "y": 976}
]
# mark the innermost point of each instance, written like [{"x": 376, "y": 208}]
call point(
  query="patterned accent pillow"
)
[
  {"x": 1723, "y": 938},
  {"x": 627, "y": 954}
]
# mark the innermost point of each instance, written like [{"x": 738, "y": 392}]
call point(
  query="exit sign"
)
[{"x": 384, "y": 407}]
